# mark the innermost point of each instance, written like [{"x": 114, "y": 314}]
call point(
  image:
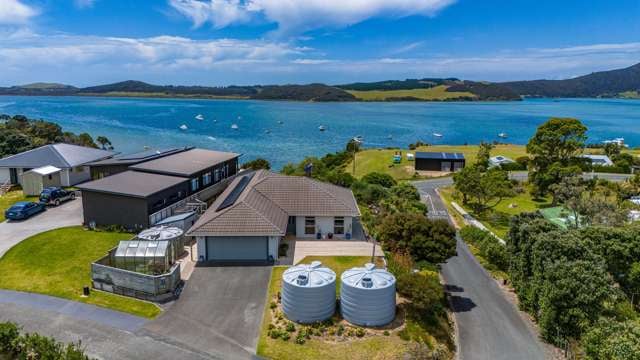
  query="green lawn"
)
[
  {"x": 497, "y": 219},
  {"x": 11, "y": 198},
  {"x": 368, "y": 348},
  {"x": 58, "y": 263},
  {"x": 381, "y": 160},
  {"x": 435, "y": 93}
]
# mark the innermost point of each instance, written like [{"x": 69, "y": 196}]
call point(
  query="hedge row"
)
[{"x": 490, "y": 248}]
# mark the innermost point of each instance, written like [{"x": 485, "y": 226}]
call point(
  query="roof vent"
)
[
  {"x": 315, "y": 264},
  {"x": 367, "y": 283}
]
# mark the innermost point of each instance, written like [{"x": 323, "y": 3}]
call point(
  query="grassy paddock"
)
[
  {"x": 381, "y": 160},
  {"x": 58, "y": 263},
  {"x": 435, "y": 93}
]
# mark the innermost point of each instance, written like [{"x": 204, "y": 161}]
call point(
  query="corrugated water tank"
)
[
  {"x": 368, "y": 296},
  {"x": 308, "y": 293}
]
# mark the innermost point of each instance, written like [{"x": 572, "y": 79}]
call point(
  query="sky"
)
[{"x": 244, "y": 42}]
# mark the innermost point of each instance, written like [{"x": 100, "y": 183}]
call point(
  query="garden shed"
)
[
  {"x": 35, "y": 180},
  {"x": 143, "y": 256}
]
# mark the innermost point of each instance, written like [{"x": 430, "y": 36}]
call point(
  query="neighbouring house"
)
[
  {"x": 439, "y": 161},
  {"x": 121, "y": 163},
  {"x": 499, "y": 160},
  {"x": 72, "y": 161},
  {"x": 249, "y": 219},
  {"x": 599, "y": 160},
  {"x": 129, "y": 198},
  {"x": 34, "y": 181},
  {"x": 148, "y": 192},
  {"x": 203, "y": 168}
]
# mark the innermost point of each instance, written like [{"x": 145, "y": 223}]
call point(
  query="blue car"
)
[{"x": 23, "y": 210}]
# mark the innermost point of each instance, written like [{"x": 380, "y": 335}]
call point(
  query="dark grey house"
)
[
  {"x": 203, "y": 168},
  {"x": 121, "y": 163},
  {"x": 439, "y": 161},
  {"x": 128, "y": 198}
]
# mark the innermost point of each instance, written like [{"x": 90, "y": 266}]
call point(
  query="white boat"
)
[
  {"x": 183, "y": 127},
  {"x": 503, "y": 135},
  {"x": 267, "y": 131},
  {"x": 322, "y": 128},
  {"x": 438, "y": 135},
  {"x": 280, "y": 122},
  {"x": 199, "y": 117},
  {"x": 215, "y": 121},
  {"x": 234, "y": 127},
  {"x": 358, "y": 138},
  {"x": 389, "y": 136},
  {"x": 211, "y": 138}
]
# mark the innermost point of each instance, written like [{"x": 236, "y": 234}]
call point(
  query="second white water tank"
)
[{"x": 368, "y": 296}]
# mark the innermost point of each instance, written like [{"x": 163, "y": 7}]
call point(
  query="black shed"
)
[{"x": 439, "y": 161}]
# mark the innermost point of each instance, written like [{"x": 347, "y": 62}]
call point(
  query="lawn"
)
[
  {"x": 435, "y": 93},
  {"x": 497, "y": 219},
  {"x": 58, "y": 263},
  {"x": 11, "y": 198},
  {"x": 374, "y": 347},
  {"x": 381, "y": 160}
]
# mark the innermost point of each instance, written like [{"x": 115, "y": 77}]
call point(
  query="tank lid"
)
[
  {"x": 309, "y": 275},
  {"x": 160, "y": 233},
  {"x": 368, "y": 277}
]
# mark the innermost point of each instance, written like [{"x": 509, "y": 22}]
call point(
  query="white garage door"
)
[{"x": 237, "y": 248}]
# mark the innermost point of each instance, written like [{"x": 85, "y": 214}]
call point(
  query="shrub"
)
[
  {"x": 424, "y": 291},
  {"x": 489, "y": 246},
  {"x": 377, "y": 178},
  {"x": 360, "y": 332},
  {"x": 282, "y": 249},
  {"x": 300, "y": 338},
  {"x": 386, "y": 333},
  {"x": 285, "y": 336},
  {"x": 36, "y": 346},
  {"x": 9, "y": 332},
  {"x": 291, "y": 327},
  {"x": 257, "y": 164},
  {"x": 274, "y": 333},
  {"x": 340, "y": 330},
  {"x": 513, "y": 166},
  {"x": 273, "y": 305},
  {"x": 399, "y": 263}
]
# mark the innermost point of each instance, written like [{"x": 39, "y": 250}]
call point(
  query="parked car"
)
[
  {"x": 56, "y": 196},
  {"x": 23, "y": 210}
]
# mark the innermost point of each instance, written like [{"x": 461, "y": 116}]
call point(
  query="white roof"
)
[
  {"x": 599, "y": 159},
  {"x": 46, "y": 170}
]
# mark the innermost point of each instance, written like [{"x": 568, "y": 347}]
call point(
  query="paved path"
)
[
  {"x": 333, "y": 248},
  {"x": 488, "y": 325},
  {"x": 13, "y": 232}
]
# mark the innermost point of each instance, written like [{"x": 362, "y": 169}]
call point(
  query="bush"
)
[
  {"x": 489, "y": 246},
  {"x": 273, "y": 305},
  {"x": 360, "y": 332},
  {"x": 282, "y": 249},
  {"x": 290, "y": 327},
  {"x": 300, "y": 338},
  {"x": 9, "y": 332},
  {"x": 513, "y": 166},
  {"x": 386, "y": 333},
  {"x": 424, "y": 291},
  {"x": 35, "y": 346},
  {"x": 257, "y": 164},
  {"x": 382, "y": 179},
  {"x": 285, "y": 336},
  {"x": 399, "y": 263},
  {"x": 340, "y": 330}
]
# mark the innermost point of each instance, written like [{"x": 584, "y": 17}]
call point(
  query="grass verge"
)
[
  {"x": 435, "y": 93},
  {"x": 58, "y": 263}
]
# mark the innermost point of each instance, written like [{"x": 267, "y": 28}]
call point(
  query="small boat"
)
[
  {"x": 234, "y": 127},
  {"x": 215, "y": 121},
  {"x": 358, "y": 138},
  {"x": 211, "y": 138},
  {"x": 438, "y": 135},
  {"x": 239, "y": 117},
  {"x": 322, "y": 128},
  {"x": 389, "y": 136},
  {"x": 183, "y": 127},
  {"x": 200, "y": 117},
  {"x": 280, "y": 122},
  {"x": 267, "y": 131},
  {"x": 503, "y": 135}
]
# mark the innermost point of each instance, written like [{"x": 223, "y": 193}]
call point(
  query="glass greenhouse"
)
[{"x": 143, "y": 256}]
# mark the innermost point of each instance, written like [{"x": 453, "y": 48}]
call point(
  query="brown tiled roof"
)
[{"x": 268, "y": 200}]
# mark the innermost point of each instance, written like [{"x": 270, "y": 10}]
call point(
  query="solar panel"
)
[{"x": 233, "y": 195}]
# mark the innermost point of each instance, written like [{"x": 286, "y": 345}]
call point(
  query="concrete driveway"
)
[
  {"x": 219, "y": 312},
  {"x": 67, "y": 214}
]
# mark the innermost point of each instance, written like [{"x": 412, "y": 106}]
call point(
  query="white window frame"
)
[{"x": 309, "y": 227}]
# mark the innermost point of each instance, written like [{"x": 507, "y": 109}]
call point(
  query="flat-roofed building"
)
[{"x": 439, "y": 161}]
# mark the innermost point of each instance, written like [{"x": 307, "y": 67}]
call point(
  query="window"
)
[
  {"x": 194, "y": 184},
  {"x": 309, "y": 225},
  {"x": 338, "y": 225},
  {"x": 216, "y": 175},
  {"x": 206, "y": 179}
]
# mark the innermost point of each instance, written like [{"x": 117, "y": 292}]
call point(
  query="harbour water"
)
[{"x": 284, "y": 131}]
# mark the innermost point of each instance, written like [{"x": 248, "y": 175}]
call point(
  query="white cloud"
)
[
  {"x": 298, "y": 16},
  {"x": 15, "y": 12}
]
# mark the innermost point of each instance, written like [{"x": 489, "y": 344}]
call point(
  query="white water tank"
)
[
  {"x": 308, "y": 293},
  {"x": 368, "y": 296}
]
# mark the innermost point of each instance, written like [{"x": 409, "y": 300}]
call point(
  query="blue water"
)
[{"x": 133, "y": 123}]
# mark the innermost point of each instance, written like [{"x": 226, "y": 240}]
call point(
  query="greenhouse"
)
[{"x": 143, "y": 256}]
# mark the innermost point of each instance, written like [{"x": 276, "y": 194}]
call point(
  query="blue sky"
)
[{"x": 222, "y": 42}]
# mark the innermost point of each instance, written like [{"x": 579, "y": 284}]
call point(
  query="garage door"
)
[{"x": 237, "y": 248}]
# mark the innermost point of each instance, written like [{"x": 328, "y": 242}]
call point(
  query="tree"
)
[
  {"x": 255, "y": 164},
  {"x": 426, "y": 240},
  {"x": 611, "y": 149},
  {"x": 484, "y": 154},
  {"x": 424, "y": 291},
  {"x": 599, "y": 209},
  {"x": 613, "y": 340},
  {"x": 554, "y": 146},
  {"x": 482, "y": 190},
  {"x": 105, "y": 143},
  {"x": 569, "y": 193},
  {"x": 467, "y": 181},
  {"x": 382, "y": 179}
]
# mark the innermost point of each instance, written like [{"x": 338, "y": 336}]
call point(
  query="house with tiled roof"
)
[{"x": 250, "y": 218}]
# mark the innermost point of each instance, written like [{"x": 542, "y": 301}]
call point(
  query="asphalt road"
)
[
  {"x": 488, "y": 325},
  {"x": 13, "y": 232}
]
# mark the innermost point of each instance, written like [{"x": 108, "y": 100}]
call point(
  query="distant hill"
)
[{"x": 612, "y": 83}]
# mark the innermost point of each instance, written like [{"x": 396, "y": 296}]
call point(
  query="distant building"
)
[
  {"x": 71, "y": 160},
  {"x": 499, "y": 160},
  {"x": 439, "y": 161},
  {"x": 599, "y": 160}
]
